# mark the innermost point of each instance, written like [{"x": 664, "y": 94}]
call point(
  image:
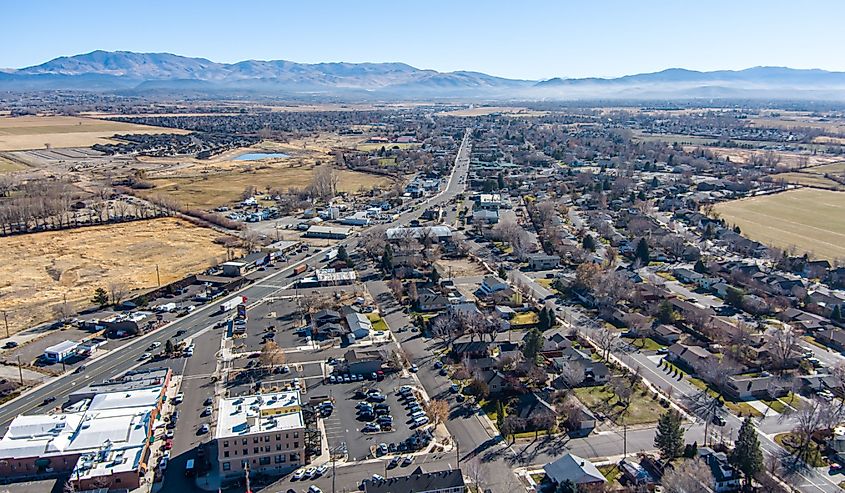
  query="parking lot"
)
[{"x": 343, "y": 425}]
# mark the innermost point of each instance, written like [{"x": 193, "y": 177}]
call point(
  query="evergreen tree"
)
[
  {"x": 567, "y": 486},
  {"x": 552, "y": 317},
  {"x": 642, "y": 253},
  {"x": 836, "y": 314},
  {"x": 746, "y": 455},
  {"x": 434, "y": 276},
  {"x": 641, "y": 195},
  {"x": 169, "y": 348},
  {"x": 700, "y": 267},
  {"x": 502, "y": 272},
  {"x": 543, "y": 323},
  {"x": 665, "y": 314},
  {"x": 100, "y": 298},
  {"x": 501, "y": 180},
  {"x": 532, "y": 346},
  {"x": 670, "y": 436},
  {"x": 387, "y": 259},
  {"x": 589, "y": 243},
  {"x": 500, "y": 414},
  {"x": 342, "y": 254}
]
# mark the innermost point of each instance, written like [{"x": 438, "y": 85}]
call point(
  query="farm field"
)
[
  {"x": 36, "y": 132},
  {"x": 38, "y": 269},
  {"x": 9, "y": 166},
  {"x": 213, "y": 189},
  {"x": 672, "y": 138},
  {"x": 790, "y": 160},
  {"x": 809, "y": 220},
  {"x": 489, "y": 110},
  {"x": 808, "y": 179}
]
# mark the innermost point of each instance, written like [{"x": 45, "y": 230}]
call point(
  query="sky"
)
[{"x": 523, "y": 39}]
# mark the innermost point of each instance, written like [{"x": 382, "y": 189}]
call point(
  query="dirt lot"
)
[
  {"x": 809, "y": 220},
  {"x": 36, "y": 132},
  {"x": 489, "y": 110},
  {"x": 38, "y": 269},
  {"x": 461, "y": 267}
]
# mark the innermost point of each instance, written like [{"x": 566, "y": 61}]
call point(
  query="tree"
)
[
  {"x": 272, "y": 355},
  {"x": 836, "y": 313},
  {"x": 781, "y": 342},
  {"x": 324, "y": 184},
  {"x": 746, "y": 455},
  {"x": 606, "y": 340},
  {"x": 387, "y": 259},
  {"x": 342, "y": 254},
  {"x": 543, "y": 320},
  {"x": 101, "y": 297},
  {"x": 567, "y": 486},
  {"x": 437, "y": 411},
  {"x": 169, "y": 348},
  {"x": 118, "y": 291},
  {"x": 670, "y": 436},
  {"x": 511, "y": 425},
  {"x": 544, "y": 420},
  {"x": 642, "y": 253},
  {"x": 690, "y": 476},
  {"x": 478, "y": 388},
  {"x": 434, "y": 275},
  {"x": 589, "y": 243},
  {"x": 532, "y": 346},
  {"x": 734, "y": 297},
  {"x": 665, "y": 313}
]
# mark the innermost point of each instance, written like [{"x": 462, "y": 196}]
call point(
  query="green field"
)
[{"x": 809, "y": 220}]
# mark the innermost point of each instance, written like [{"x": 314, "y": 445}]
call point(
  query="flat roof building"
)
[
  {"x": 61, "y": 351},
  {"x": 266, "y": 431}
]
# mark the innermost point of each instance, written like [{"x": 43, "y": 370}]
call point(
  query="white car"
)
[
  {"x": 309, "y": 473},
  {"x": 178, "y": 398},
  {"x": 321, "y": 470},
  {"x": 299, "y": 474},
  {"x": 145, "y": 356}
]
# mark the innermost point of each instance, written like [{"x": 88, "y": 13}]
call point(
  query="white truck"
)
[
  {"x": 166, "y": 308},
  {"x": 232, "y": 304},
  {"x": 330, "y": 255}
]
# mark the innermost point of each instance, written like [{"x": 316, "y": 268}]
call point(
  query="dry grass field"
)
[
  {"x": 9, "y": 166},
  {"x": 787, "y": 159},
  {"x": 213, "y": 189},
  {"x": 38, "y": 269},
  {"x": 809, "y": 220},
  {"x": 36, "y": 132},
  {"x": 808, "y": 179}
]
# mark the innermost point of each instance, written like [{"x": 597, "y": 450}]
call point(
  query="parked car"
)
[
  {"x": 371, "y": 428},
  {"x": 10, "y": 345}
]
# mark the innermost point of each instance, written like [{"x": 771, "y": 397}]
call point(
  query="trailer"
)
[
  {"x": 232, "y": 304},
  {"x": 299, "y": 269},
  {"x": 330, "y": 255},
  {"x": 166, "y": 308}
]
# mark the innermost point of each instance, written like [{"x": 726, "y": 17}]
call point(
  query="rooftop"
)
[{"x": 259, "y": 413}]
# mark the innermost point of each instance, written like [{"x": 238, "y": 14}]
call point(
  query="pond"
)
[{"x": 254, "y": 156}]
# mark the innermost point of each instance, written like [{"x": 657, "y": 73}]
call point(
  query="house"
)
[
  {"x": 576, "y": 369},
  {"x": 359, "y": 325},
  {"x": 495, "y": 380},
  {"x": 363, "y": 361},
  {"x": 570, "y": 467},
  {"x": 429, "y": 300},
  {"x": 687, "y": 276},
  {"x": 326, "y": 316},
  {"x": 554, "y": 344},
  {"x": 533, "y": 404},
  {"x": 725, "y": 477},
  {"x": 694, "y": 357},
  {"x": 419, "y": 481},
  {"x": 471, "y": 349},
  {"x": 667, "y": 334},
  {"x": 490, "y": 285},
  {"x": 580, "y": 421},
  {"x": 485, "y": 216},
  {"x": 740, "y": 387},
  {"x": 832, "y": 337},
  {"x": 539, "y": 261},
  {"x": 634, "y": 473}
]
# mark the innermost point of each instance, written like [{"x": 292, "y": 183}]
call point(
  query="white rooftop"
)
[
  {"x": 332, "y": 275},
  {"x": 259, "y": 413},
  {"x": 62, "y": 347}
]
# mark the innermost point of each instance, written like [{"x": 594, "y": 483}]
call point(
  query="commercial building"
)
[
  {"x": 61, "y": 351},
  {"x": 102, "y": 441},
  {"x": 419, "y": 481},
  {"x": 266, "y": 431},
  {"x": 328, "y": 232}
]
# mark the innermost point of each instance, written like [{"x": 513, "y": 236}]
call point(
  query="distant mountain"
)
[{"x": 140, "y": 73}]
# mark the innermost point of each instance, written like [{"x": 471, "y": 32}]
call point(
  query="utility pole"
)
[
  {"x": 624, "y": 440},
  {"x": 158, "y": 276},
  {"x": 458, "y": 452},
  {"x": 20, "y": 370},
  {"x": 6, "y": 321}
]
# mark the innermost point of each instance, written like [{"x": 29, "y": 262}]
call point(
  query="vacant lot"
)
[
  {"x": 210, "y": 190},
  {"x": 489, "y": 110},
  {"x": 39, "y": 269},
  {"x": 38, "y": 132},
  {"x": 809, "y": 220},
  {"x": 9, "y": 166}
]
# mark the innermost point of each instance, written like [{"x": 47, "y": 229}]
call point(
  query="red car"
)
[{"x": 168, "y": 444}]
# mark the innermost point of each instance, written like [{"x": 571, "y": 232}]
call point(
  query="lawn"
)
[
  {"x": 812, "y": 221},
  {"x": 525, "y": 318},
  {"x": 378, "y": 323},
  {"x": 813, "y": 457},
  {"x": 548, "y": 284},
  {"x": 611, "y": 472},
  {"x": 740, "y": 408},
  {"x": 647, "y": 344},
  {"x": 642, "y": 409}
]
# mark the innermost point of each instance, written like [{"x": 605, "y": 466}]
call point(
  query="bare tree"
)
[
  {"x": 324, "y": 183},
  {"x": 437, "y": 411},
  {"x": 607, "y": 340},
  {"x": 272, "y": 355},
  {"x": 690, "y": 476},
  {"x": 118, "y": 292},
  {"x": 781, "y": 342}
]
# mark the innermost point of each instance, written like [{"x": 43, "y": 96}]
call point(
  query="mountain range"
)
[{"x": 164, "y": 73}]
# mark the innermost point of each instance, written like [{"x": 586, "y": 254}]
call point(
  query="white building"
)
[
  {"x": 266, "y": 431},
  {"x": 61, "y": 351}
]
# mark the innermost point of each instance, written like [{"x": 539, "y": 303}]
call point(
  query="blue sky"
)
[{"x": 518, "y": 39}]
